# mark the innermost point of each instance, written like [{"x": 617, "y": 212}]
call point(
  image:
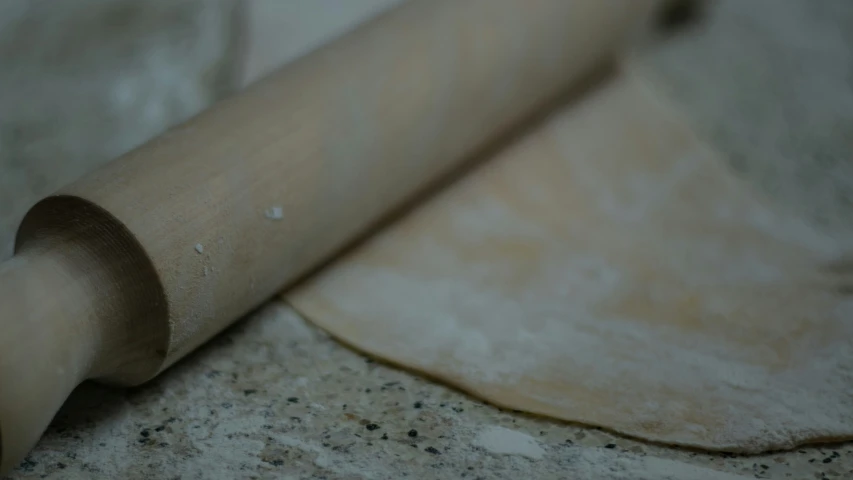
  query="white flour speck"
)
[
  {"x": 274, "y": 213},
  {"x": 503, "y": 441}
]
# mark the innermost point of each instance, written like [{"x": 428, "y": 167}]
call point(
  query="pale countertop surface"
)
[{"x": 768, "y": 82}]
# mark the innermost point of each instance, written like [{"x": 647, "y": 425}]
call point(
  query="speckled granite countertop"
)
[
  {"x": 276, "y": 398},
  {"x": 273, "y": 397}
]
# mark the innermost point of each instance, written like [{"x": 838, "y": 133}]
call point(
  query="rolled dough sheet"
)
[{"x": 608, "y": 269}]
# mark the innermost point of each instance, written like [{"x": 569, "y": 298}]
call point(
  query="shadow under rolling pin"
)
[{"x": 124, "y": 272}]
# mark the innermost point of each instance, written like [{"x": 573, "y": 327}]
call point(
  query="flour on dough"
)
[{"x": 608, "y": 269}]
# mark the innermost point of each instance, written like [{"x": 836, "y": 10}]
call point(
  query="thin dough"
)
[{"x": 608, "y": 269}]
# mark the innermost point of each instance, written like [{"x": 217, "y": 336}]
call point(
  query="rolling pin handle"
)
[{"x": 45, "y": 350}]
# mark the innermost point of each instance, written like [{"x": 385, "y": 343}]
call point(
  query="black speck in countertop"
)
[
  {"x": 296, "y": 400},
  {"x": 610, "y": 445},
  {"x": 61, "y": 465},
  {"x": 419, "y": 404},
  {"x": 371, "y": 426},
  {"x": 432, "y": 450},
  {"x": 28, "y": 464},
  {"x": 145, "y": 433},
  {"x": 367, "y": 390},
  {"x": 827, "y": 460},
  {"x": 160, "y": 428},
  {"x": 413, "y": 433},
  {"x": 384, "y": 436},
  {"x": 249, "y": 392}
]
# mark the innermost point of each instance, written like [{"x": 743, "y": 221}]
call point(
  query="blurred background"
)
[{"x": 768, "y": 82}]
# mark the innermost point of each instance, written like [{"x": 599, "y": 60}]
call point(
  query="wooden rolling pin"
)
[{"x": 124, "y": 272}]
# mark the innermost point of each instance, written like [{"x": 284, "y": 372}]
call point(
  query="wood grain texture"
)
[
  {"x": 215, "y": 216},
  {"x": 80, "y": 300}
]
